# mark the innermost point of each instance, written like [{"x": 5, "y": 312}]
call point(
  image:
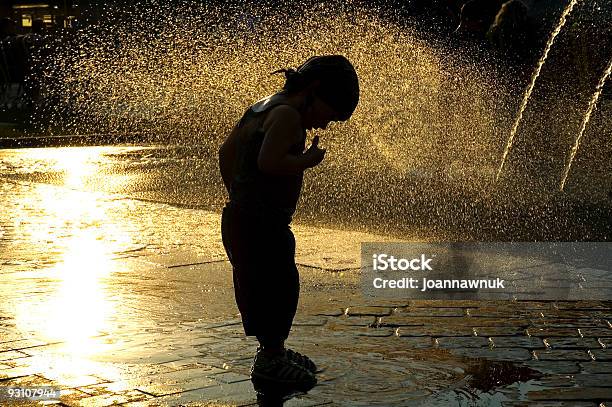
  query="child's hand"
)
[{"x": 314, "y": 155}]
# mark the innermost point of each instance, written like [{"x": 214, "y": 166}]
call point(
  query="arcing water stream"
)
[
  {"x": 568, "y": 9},
  {"x": 585, "y": 121}
]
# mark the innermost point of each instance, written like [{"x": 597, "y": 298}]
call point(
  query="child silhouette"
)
[{"x": 262, "y": 164}]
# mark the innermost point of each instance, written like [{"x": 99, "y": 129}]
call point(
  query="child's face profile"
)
[{"x": 322, "y": 114}]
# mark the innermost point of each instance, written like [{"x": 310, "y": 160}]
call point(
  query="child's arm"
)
[{"x": 283, "y": 129}]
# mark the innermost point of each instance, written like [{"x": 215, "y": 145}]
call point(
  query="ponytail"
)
[{"x": 294, "y": 80}]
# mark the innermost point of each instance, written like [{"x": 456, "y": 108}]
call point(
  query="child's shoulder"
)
[
  {"x": 276, "y": 102},
  {"x": 285, "y": 115}
]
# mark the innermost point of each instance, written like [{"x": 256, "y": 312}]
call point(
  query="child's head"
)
[{"x": 332, "y": 79}]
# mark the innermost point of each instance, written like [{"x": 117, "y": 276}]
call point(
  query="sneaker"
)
[
  {"x": 280, "y": 370},
  {"x": 301, "y": 360},
  {"x": 298, "y": 358}
]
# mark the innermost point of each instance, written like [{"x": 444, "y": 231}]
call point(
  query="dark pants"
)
[{"x": 266, "y": 281}]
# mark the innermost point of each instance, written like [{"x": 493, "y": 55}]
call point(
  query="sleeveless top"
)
[{"x": 269, "y": 196}]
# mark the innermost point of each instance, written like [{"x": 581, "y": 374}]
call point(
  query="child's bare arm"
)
[{"x": 283, "y": 129}]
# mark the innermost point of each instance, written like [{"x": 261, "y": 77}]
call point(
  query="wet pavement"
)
[{"x": 115, "y": 289}]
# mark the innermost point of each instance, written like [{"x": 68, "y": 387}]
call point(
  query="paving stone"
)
[
  {"x": 606, "y": 341},
  {"x": 402, "y": 320},
  {"x": 573, "y": 343},
  {"x": 331, "y": 313},
  {"x": 555, "y": 403},
  {"x": 432, "y": 312},
  {"x": 72, "y": 397},
  {"x": 12, "y": 354},
  {"x": 434, "y": 331},
  {"x": 230, "y": 377},
  {"x": 162, "y": 387},
  {"x": 557, "y": 380},
  {"x": 361, "y": 311},
  {"x": 111, "y": 399},
  {"x": 243, "y": 364},
  {"x": 178, "y": 259},
  {"x": 462, "y": 342},
  {"x": 548, "y": 332},
  {"x": 583, "y": 305},
  {"x": 21, "y": 344},
  {"x": 68, "y": 381},
  {"x": 571, "y": 314},
  {"x": 376, "y": 332},
  {"x": 448, "y": 303},
  {"x": 554, "y": 367},
  {"x": 15, "y": 363},
  {"x": 502, "y": 313},
  {"x": 499, "y": 331},
  {"x": 351, "y": 321},
  {"x": 187, "y": 363},
  {"x": 240, "y": 393},
  {"x": 393, "y": 303},
  {"x": 156, "y": 402},
  {"x": 497, "y": 322},
  {"x": 221, "y": 324},
  {"x": 211, "y": 361},
  {"x": 529, "y": 342},
  {"x": 566, "y": 323},
  {"x": 163, "y": 383},
  {"x": 596, "y": 367},
  {"x": 100, "y": 389},
  {"x": 595, "y": 332},
  {"x": 581, "y": 393},
  {"x": 594, "y": 380},
  {"x": 305, "y": 401},
  {"x": 19, "y": 372},
  {"x": 562, "y": 355},
  {"x": 134, "y": 371},
  {"x": 45, "y": 349},
  {"x": 310, "y": 321},
  {"x": 185, "y": 374},
  {"x": 142, "y": 355},
  {"x": 508, "y": 354},
  {"x": 31, "y": 380},
  {"x": 602, "y": 355},
  {"x": 417, "y": 343}
]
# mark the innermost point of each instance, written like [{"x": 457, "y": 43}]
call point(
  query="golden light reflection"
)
[
  {"x": 84, "y": 232},
  {"x": 75, "y": 163},
  {"x": 79, "y": 310}
]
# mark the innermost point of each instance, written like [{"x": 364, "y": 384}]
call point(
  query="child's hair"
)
[{"x": 339, "y": 85}]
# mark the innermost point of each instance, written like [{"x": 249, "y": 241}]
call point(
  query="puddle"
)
[{"x": 431, "y": 377}]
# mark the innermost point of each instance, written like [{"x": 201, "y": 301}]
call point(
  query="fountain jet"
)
[
  {"x": 568, "y": 9},
  {"x": 585, "y": 121}
]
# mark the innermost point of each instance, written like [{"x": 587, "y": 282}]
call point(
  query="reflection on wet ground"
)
[
  {"x": 171, "y": 174},
  {"x": 128, "y": 301}
]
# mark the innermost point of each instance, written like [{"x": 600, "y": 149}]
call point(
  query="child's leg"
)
[
  {"x": 271, "y": 345},
  {"x": 266, "y": 280}
]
